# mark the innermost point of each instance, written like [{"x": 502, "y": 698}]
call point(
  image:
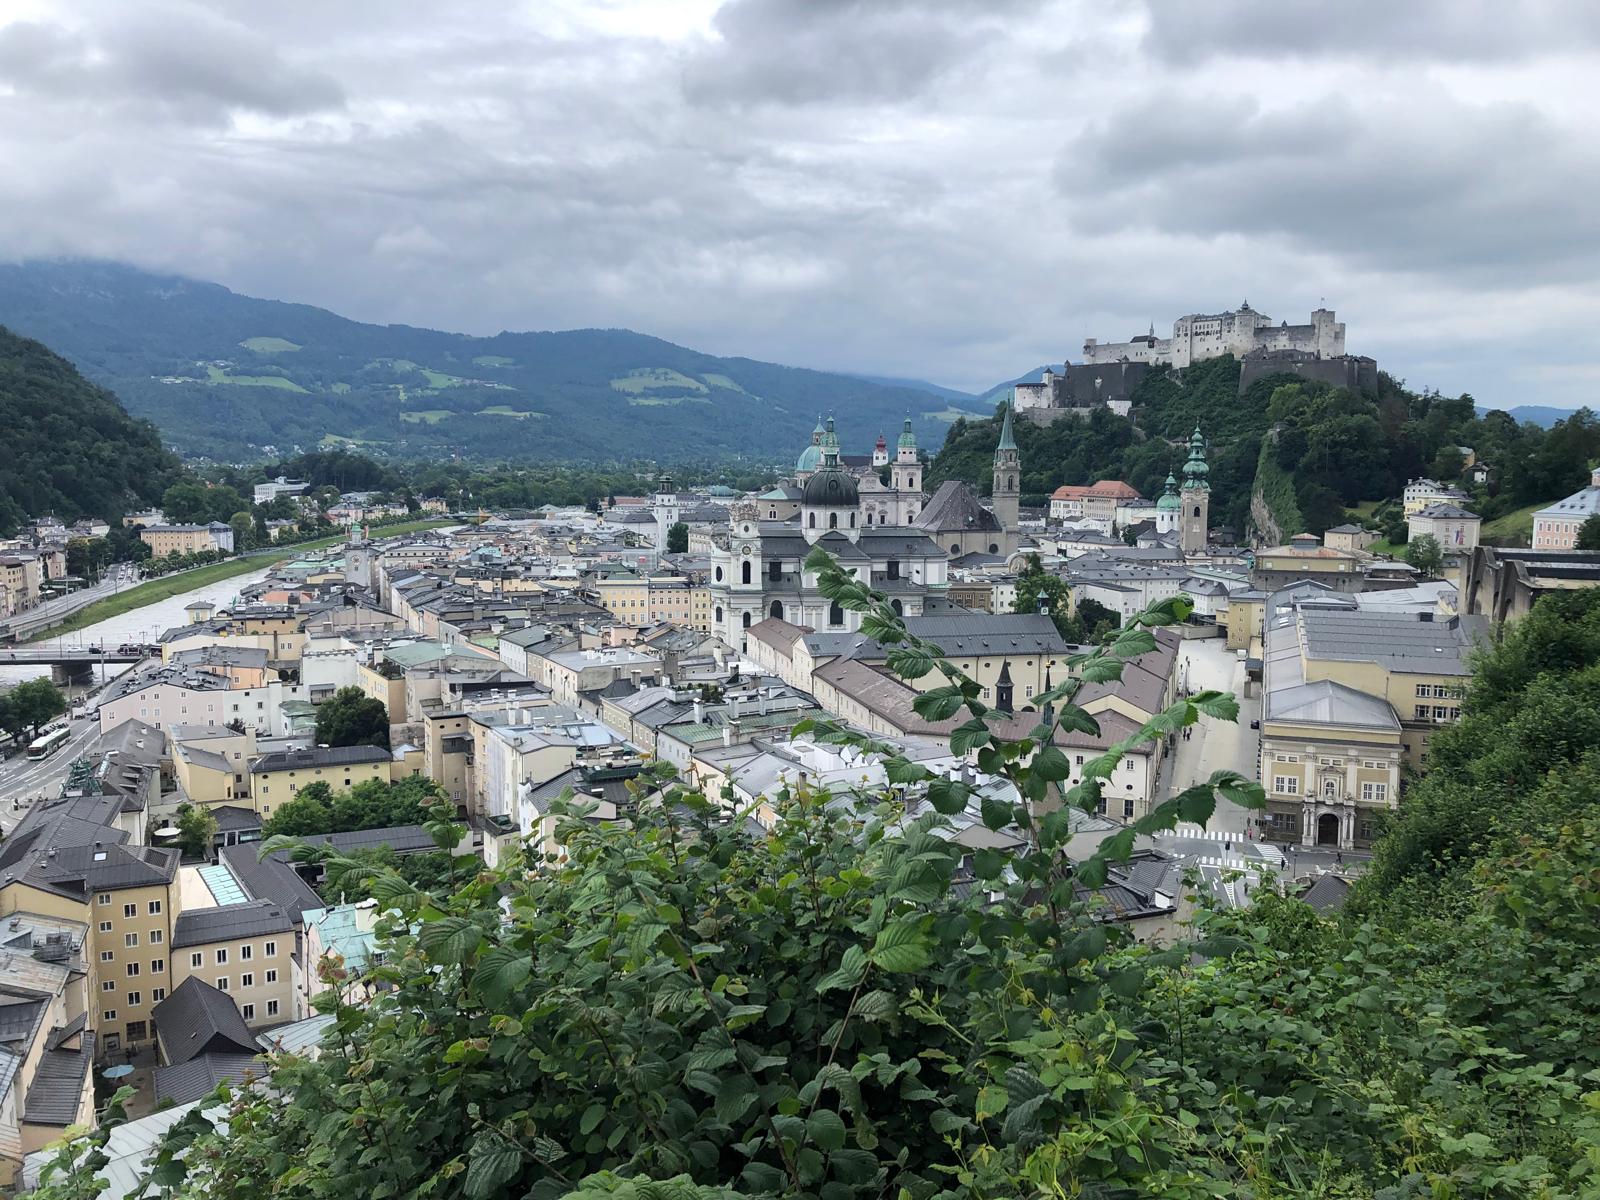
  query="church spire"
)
[{"x": 1008, "y": 440}]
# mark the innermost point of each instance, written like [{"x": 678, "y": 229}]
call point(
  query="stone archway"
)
[{"x": 1328, "y": 829}]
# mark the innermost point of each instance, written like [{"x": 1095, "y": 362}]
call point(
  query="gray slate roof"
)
[
  {"x": 319, "y": 756},
  {"x": 58, "y": 1084},
  {"x": 954, "y": 508},
  {"x": 198, "y": 1019},
  {"x": 182, "y": 1082},
  {"x": 230, "y": 923}
]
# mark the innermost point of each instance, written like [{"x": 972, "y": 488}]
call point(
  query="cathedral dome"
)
[
  {"x": 1169, "y": 501},
  {"x": 831, "y": 488},
  {"x": 810, "y": 459}
]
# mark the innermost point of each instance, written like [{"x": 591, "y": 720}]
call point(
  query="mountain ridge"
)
[{"x": 237, "y": 377}]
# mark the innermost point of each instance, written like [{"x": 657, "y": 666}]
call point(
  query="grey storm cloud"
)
[
  {"x": 183, "y": 58},
  {"x": 1412, "y": 30},
  {"x": 927, "y": 188}
]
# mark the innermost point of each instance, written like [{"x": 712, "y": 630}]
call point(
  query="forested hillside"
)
[
  {"x": 1332, "y": 448},
  {"x": 70, "y": 448},
  {"x": 227, "y": 375}
]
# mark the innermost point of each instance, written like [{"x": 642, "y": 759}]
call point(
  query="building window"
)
[
  {"x": 196, "y": 959},
  {"x": 222, "y": 956},
  {"x": 156, "y": 937},
  {"x": 103, "y": 899},
  {"x": 133, "y": 969},
  {"x": 744, "y": 571},
  {"x": 130, "y": 939},
  {"x": 105, "y": 926},
  {"x": 1127, "y": 806},
  {"x": 108, "y": 985},
  {"x": 1286, "y": 785},
  {"x": 270, "y": 949},
  {"x": 155, "y": 907},
  {"x": 272, "y": 1008},
  {"x": 247, "y": 980},
  {"x": 272, "y": 976},
  {"x": 133, "y": 1001},
  {"x": 222, "y": 983},
  {"x": 249, "y": 1012},
  {"x": 130, "y": 910},
  {"x": 1375, "y": 793},
  {"x": 246, "y": 951},
  {"x": 158, "y": 966},
  {"x": 157, "y": 995},
  {"x": 107, "y": 955},
  {"x": 109, "y": 1014}
]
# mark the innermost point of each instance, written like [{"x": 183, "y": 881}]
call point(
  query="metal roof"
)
[{"x": 230, "y": 923}]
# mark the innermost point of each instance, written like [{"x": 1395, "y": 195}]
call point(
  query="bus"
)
[{"x": 47, "y": 744}]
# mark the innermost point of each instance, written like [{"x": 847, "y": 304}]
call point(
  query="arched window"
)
[
  {"x": 852, "y": 520},
  {"x": 833, "y": 520},
  {"x": 744, "y": 571},
  {"x": 772, "y": 514},
  {"x": 955, "y": 548},
  {"x": 776, "y": 610},
  {"x": 747, "y": 620},
  {"x": 719, "y": 614},
  {"x": 1197, "y": 510},
  {"x": 719, "y": 574},
  {"x": 1011, "y": 483},
  {"x": 993, "y": 549},
  {"x": 811, "y": 520},
  {"x": 899, "y": 611},
  {"x": 835, "y": 614}
]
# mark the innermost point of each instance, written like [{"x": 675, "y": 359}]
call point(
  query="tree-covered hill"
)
[
  {"x": 225, "y": 375},
  {"x": 1329, "y": 449},
  {"x": 70, "y": 447}
]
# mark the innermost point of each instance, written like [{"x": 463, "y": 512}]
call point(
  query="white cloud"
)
[{"x": 931, "y": 189}]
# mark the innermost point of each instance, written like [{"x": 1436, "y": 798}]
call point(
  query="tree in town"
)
[
  {"x": 1426, "y": 555},
  {"x": 350, "y": 717},
  {"x": 30, "y": 705},
  {"x": 1039, "y": 591},
  {"x": 197, "y": 830},
  {"x": 678, "y": 538},
  {"x": 86, "y": 557},
  {"x": 1589, "y": 534},
  {"x": 244, "y": 530},
  {"x": 1097, "y": 619},
  {"x": 370, "y": 804}
]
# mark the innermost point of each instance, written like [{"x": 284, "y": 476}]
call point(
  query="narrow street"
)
[{"x": 23, "y": 781}]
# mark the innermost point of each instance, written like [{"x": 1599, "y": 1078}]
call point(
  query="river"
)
[{"x": 138, "y": 625}]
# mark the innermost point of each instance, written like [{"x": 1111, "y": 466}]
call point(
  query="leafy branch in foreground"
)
[{"x": 1033, "y": 764}]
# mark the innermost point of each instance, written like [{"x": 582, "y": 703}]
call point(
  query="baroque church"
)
[{"x": 888, "y": 535}]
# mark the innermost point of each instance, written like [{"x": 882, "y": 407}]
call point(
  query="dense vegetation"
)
[
  {"x": 70, "y": 448},
  {"x": 371, "y": 804},
  {"x": 1314, "y": 450},
  {"x": 350, "y": 717},
  {"x": 683, "y": 1008},
  {"x": 228, "y": 376}
]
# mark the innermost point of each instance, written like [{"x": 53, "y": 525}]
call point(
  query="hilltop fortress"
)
[{"x": 1111, "y": 371}]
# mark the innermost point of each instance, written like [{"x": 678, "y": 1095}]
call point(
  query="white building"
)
[
  {"x": 1556, "y": 527},
  {"x": 1453, "y": 527},
  {"x": 266, "y": 493},
  {"x": 1200, "y": 336}
]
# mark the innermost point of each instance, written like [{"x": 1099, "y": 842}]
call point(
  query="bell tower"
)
[
  {"x": 1195, "y": 497},
  {"x": 1006, "y": 494}
]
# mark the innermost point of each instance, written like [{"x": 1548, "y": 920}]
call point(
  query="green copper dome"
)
[
  {"x": 1196, "y": 470},
  {"x": 908, "y": 440},
  {"x": 810, "y": 459},
  {"x": 1169, "y": 501}
]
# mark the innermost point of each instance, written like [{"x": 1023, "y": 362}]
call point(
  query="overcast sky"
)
[{"x": 952, "y": 189}]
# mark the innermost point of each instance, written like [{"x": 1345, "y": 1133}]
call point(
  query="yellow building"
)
[
  {"x": 1350, "y": 697},
  {"x": 186, "y": 539},
  {"x": 242, "y": 950},
  {"x": 21, "y": 576},
  {"x": 276, "y": 778},
  {"x": 642, "y": 601},
  {"x": 126, "y": 895}
]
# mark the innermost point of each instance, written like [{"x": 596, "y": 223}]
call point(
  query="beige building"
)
[
  {"x": 21, "y": 576},
  {"x": 1352, "y": 539},
  {"x": 648, "y": 600},
  {"x": 187, "y": 539},
  {"x": 276, "y": 778},
  {"x": 212, "y": 762},
  {"x": 242, "y": 950}
]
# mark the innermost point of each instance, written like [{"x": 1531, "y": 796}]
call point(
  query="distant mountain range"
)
[
  {"x": 1541, "y": 415},
  {"x": 230, "y": 376}
]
